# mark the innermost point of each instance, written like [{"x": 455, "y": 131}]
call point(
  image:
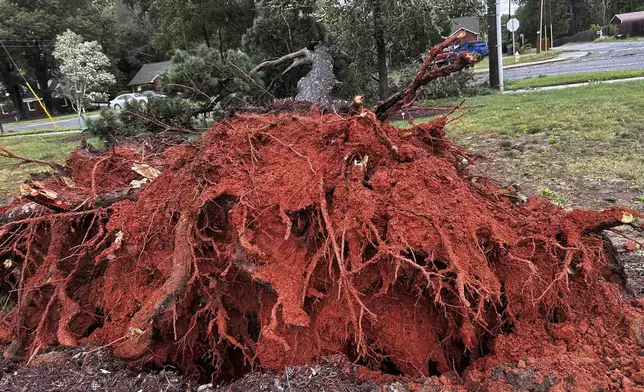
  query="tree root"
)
[{"x": 140, "y": 327}]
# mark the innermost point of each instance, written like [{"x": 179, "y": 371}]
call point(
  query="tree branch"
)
[
  {"x": 426, "y": 74},
  {"x": 279, "y": 61}
]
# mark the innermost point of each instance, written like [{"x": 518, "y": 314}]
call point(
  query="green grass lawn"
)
[
  {"x": 527, "y": 58},
  {"x": 613, "y": 39},
  {"x": 579, "y": 142},
  {"x": 556, "y": 80},
  {"x": 52, "y": 147}
]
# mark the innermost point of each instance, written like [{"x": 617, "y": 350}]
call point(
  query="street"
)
[
  {"x": 43, "y": 124},
  {"x": 606, "y": 56}
]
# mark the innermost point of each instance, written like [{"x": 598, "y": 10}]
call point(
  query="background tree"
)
[
  {"x": 281, "y": 27},
  {"x": 83, "y": 70},
  {"x": 185, "y": 24},
  {"x": 33, "y": 26},
  {"x": 218, "y": 83},
  {"x": 377, "y": 34}
]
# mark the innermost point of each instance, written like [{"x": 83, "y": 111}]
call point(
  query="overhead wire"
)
[{"x": 42, "y": 105}]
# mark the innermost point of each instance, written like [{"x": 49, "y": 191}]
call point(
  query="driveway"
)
[
  {"x": 44, "y": 124},
  {"x": 605, "y": 56}
]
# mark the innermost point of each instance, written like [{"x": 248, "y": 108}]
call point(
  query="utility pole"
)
[
  {"x": 510, "y": 17},
  {"x": 552, "y": 38},
  {"x": 540, "y": 33},
  {"x": 499, "y": 43},
  {"x": 492, "y": 43}
]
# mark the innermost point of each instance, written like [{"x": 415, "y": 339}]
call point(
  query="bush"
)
[{"x": 139, "y": 118}]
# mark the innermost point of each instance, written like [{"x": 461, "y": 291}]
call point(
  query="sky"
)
[{"x": 505, "y": 7}]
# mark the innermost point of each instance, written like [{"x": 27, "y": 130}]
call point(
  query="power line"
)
[{"x": 28, "y": 85}]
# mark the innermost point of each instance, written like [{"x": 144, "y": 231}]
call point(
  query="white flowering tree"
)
[{"x": 83, "y": 70}]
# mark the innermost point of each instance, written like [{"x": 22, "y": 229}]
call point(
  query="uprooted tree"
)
[{"x": 280, "y": 238}]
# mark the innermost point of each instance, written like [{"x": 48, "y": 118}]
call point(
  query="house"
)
[
  {"x": 34, "y": 110},
  {"x": 629, "y": 24},
  {"x": 469, "y": 25},
  {"x": 146, "y": 78}
]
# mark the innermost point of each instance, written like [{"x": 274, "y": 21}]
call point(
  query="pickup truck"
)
[{"x": 478, "y": 48}]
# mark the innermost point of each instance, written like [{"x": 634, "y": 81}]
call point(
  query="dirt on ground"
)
[{"x": 537, "y": 166}]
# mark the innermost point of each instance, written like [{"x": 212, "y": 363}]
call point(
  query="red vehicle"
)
[{"x": 446, "y": 57}]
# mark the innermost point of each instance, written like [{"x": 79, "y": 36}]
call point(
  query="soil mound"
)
[{"x": 279, "y": 239}]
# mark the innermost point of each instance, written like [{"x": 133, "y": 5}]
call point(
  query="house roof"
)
[
  {"x": 469, "y": 23},
  {"x": 149, "y": 72},
  {"x": 629, "y": 17},
  {"x": 463, "y": 28}
]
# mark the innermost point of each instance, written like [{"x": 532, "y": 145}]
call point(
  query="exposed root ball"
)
[{"x": 278, "y": 239}]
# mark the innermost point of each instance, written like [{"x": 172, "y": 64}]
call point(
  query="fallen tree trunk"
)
[{"x": 316, "y": 86}]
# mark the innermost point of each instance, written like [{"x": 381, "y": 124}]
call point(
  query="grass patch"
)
[
  {"x": 571, "y": 78},
  {"x": 561, "y": 140},
  {"x": 53, "y": 147},
  {"x": 554, "y": 197},
  {"x": 36, "y": 131},
  {"x": 613, "y": 39},
  {"x": 526, "y": 58}
]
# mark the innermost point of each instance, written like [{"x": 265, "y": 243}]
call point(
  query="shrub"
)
[{"x": 138, "y": 118}]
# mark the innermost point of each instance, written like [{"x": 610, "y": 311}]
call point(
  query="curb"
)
[{"x": 54, "y": 133}]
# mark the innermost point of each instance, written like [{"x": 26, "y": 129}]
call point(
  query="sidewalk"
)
[
  {"x": 9, "y": 135},
  {"x": 562, "y": 57}
]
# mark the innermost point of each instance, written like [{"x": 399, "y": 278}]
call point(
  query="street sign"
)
[{"x": 513, "y": 25}]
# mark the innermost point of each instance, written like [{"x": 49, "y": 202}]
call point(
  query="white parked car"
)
[
  {"x": 153, "y": 94},
  {"x": 122, "y": 100}
]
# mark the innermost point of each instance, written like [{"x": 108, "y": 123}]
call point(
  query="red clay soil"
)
[{"x": 279, "y": 239}]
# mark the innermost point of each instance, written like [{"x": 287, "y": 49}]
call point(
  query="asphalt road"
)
[
  {"x": 44, "y": 124},
  {"x": 605, "y": 56}
]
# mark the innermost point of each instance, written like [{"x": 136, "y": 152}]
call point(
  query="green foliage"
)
[
  {"x": 204, "y": 76},
  {"x": 283, "y": 26},
  {"x": 181, "y": 24},
  {"x": 570, "y": 17},
  {"x": 82, "y": 64},
  {"x": 639, "y": 198},
  {"x": 210, "y": 87},
  {"x": 138, "y": 118},
  {"x": 554, "y": 197},
  {"x": 407, "y": 28}
]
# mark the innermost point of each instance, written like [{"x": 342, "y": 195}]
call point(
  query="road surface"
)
[
  {"x": 605, "y": 56},
  {"x": 43, "y": 124}
]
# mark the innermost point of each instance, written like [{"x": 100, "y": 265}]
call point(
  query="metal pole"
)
[
  {"x": 514, "y": 45},
  {"x": 499, "y": 42}
]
